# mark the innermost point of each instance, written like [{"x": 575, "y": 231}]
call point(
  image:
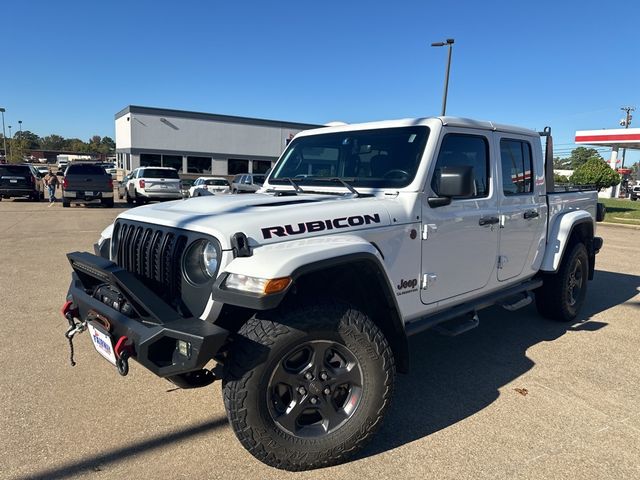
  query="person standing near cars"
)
[{"x": 52, "y": 182}]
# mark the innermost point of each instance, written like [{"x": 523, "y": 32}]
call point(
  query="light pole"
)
[
  {"x": 4, "y": 135},
  {"x": 9, "y": 141},
  {"x": 449, "y": 43},
  {"x": 20, "y": 127}
]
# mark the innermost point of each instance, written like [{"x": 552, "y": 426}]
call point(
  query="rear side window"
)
[
  {"x": 461, "y": 150},
  {"x": 14, "y": 170},
  {"x": 258, "y": 179},
  {"x": 158, "y": 173},
  {"x": 85, "y": 169},
  {"x": 517, "y": 168}
]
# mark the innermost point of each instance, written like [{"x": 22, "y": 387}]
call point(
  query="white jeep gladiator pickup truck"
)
[{"x": 300, "y": 297}]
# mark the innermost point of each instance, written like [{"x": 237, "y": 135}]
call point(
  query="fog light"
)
[{"x": 184, "y": 348}]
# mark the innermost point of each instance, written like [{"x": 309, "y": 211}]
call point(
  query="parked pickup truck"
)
[
  {"x": 301, "y": 297},
  {"x": 87, "y": 183}
]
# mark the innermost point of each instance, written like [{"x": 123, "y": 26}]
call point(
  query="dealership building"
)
[{"x": 200, "y": 143}]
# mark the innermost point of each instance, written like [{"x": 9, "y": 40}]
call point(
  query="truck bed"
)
[{"x": 562, "y": 202}]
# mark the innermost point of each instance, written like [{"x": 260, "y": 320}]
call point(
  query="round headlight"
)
[
  {"x": 201, "y": 261},
  {"x": 210, "y": 258}
]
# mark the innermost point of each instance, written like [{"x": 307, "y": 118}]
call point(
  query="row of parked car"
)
[
  {"x": 93, "y": 183},
  {"x": 163, "y": 183}
]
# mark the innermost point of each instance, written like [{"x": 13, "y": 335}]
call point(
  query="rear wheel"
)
[
  {"x": 107, "y": 202},
  {"x": 562, "y": 294},
  {"x": 307, "y": 387},
  {"x": 66, "y": 204}
]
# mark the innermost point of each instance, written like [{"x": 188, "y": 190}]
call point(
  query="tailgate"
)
[
  {"x": 162, "y": 185},
  {"x": 95, "y": 183}
]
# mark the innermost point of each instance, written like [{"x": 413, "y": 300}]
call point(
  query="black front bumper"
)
[{"x": 153, "y": 328}]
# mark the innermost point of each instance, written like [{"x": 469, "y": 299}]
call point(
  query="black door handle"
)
[
  {"x": 488, "y": 221},
  {"x": 531, "y": 214}
]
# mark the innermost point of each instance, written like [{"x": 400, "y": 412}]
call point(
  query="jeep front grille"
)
[{"x": 153, "y": 254}]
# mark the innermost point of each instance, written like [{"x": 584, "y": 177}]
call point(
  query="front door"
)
[{"x": 459, "y": 253}]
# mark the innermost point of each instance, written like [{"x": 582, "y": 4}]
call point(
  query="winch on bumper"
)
[{"x": 157, "y": 336}]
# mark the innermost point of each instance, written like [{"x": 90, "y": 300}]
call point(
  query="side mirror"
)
[{"x": 452, "y": 182}]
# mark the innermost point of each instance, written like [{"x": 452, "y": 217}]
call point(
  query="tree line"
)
[{"x": 20, "y": 146}]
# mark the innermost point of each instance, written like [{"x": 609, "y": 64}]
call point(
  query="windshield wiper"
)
[
  {"x": 293, "y": 183},
  {"x": 336, "y": 180}
]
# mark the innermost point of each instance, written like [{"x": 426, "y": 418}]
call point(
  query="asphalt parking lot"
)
[{"x": 518, "y": 397}]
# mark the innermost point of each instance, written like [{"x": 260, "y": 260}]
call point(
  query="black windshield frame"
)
[{"x": 375, "y": 158}]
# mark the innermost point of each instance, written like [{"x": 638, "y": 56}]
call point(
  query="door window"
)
[
  {"x": 462, "y": 150},
  {"x": 517, "y": 167}
]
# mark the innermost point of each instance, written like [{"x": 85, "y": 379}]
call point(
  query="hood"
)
[{"x": 266, "y": 218}]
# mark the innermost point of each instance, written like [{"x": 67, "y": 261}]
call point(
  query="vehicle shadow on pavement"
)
[
  {"x": 452, "y": 378},
  {"x": 97, "y": 462}
]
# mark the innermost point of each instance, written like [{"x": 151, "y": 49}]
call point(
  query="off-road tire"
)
[
  {"x": 108, "y": 203},
  {"x": 128, "y": 199},
  {"x": 554, "y": 298},
  {"x": 66, "y": 204},
  {"x": 262, "y": 345}
]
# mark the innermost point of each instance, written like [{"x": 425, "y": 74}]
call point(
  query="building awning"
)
[{"x": 616, "y": 137}]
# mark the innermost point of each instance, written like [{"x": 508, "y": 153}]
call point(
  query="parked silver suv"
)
[{"x": 247, "y": 183}]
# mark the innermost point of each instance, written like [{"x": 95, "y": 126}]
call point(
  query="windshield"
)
[
  {"x": 14, "y": 170},
  {"x": 159, "y": 173},
  {"x": 380, "y": 158},
  {"x": 84, "y": 169}
]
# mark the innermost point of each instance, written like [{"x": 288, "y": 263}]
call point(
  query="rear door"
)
[
  {"x": 523, "y": 206},
  {"x": 460, "y": 249}
]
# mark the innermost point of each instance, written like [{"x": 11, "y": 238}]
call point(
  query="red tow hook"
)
[
  {"x": 69, "y": 312},
  {"x": 123, "y": 351}
]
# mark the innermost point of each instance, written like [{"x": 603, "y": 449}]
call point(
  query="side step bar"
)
[
  {"x": 421, "y": 324},
  {"x": 456, "y": 327}
]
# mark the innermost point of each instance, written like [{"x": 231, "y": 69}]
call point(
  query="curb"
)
[{"x": 618, "y": 225}]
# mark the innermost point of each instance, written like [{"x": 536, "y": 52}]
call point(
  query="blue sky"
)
[{"x": 69, "y": 66}]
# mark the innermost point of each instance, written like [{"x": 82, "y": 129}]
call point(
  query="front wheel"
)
[
  {"x": 306, "y": 387},
  {"x": 562, "y": 293}
]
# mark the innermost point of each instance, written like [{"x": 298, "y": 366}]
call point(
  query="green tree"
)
[
  {"x": 32, "y": 140},
  {"x": 560, "y": 178},
  {"x": 18, "y": 150},
  {"x": 108, "y": 144},
  {"x": 52, "y": 142},
  {"x": 596, "y": 171},
  {"x": 581, "y": 155}
]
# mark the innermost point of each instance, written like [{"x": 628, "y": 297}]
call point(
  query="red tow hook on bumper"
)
[{"x": 123, "y": 351}]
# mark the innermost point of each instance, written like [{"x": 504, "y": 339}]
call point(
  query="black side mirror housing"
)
[{"x": 453, "y": 182}]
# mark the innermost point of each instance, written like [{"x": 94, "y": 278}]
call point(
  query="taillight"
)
[
  {"x": 31, "y": 179},
  {"x": 141, "y": 183},
  {"x": 65, "y": 183},
  {"x": 110, "y": 184}
]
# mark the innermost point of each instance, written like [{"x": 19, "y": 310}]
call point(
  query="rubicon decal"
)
[{"x": 319, "y": 225}]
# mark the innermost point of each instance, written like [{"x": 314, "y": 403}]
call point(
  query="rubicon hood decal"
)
[{"x": 319, "y": 225}]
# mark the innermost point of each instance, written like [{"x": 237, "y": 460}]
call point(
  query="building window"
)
[
  {"x": 517, "y": 171},
  {"x": 199, "y": 164},
  {"x": 173, "y": 161},
  {"x": 150, "y": 160},
  {"x": 237, "y": 166},
  {"x": 261, "y": 166}
]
